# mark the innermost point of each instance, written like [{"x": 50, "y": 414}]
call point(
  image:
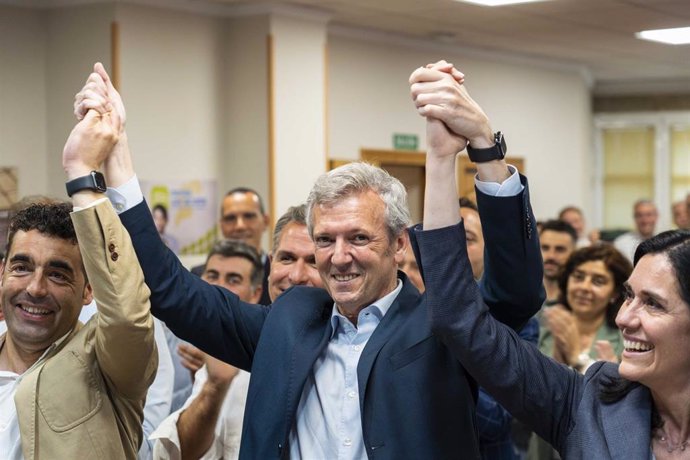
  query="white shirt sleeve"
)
[
  {"x": 90, "y": 205},
  {"x": 228, "y": 429},
  {"x": 510, "y": 187},
  {"x": 165, "y": 437},
  {"x": 126, "y": 196},
  {"x": 159, "y": 396}
]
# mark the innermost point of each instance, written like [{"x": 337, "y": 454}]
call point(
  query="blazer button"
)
[
  {"x": 114, "y": 256},
  {"x": 111, "y": 247}
]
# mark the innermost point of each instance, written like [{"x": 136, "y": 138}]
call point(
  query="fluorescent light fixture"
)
[
  {"x": 497, "y": 2},
  {"x": 677, "y": 36}
]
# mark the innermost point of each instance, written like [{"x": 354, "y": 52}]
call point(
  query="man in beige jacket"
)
[{"x": 69, "y": 390}]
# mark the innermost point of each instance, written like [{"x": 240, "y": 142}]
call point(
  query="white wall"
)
[
  {"x": 77, "y": 37},
  {"x": 245, "y": 80},
  {"x": 544, "y": 113},
  {"x": 194, "y": 110},
  {"x": 23, "y": 97},
  {"x": 171, "y": 82},
  {"x": 299, "y": 103}
]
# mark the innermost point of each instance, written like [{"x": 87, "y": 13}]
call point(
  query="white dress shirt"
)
[
  {"x": 228, "y": 429},
  {"x": 10, "y": 440},
  {"x": 328, "y": 422},
  {"x": 10, "y": 436},
  {"x": 627, "y": 244}
]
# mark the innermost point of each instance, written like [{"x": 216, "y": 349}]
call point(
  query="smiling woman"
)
[
  {"x": 582, "y": 328},
  {"x": 636, "y": 410}
]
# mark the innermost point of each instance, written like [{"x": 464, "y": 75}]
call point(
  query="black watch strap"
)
[
  {"x": 495, "y": 152},
  {"x": 93, "y": 181}
]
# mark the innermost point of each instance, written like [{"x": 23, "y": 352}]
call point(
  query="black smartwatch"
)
[
  {"x": 94, "y": 181},
  {"x": 496, "y": 152}
]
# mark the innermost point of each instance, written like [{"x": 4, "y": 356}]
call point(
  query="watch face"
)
[
  {"x": 99, "y": 181},
  {"x": 501, "y": 142}
]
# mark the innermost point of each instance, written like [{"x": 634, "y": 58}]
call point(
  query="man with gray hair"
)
[
  {"x": 352, "y": 370},
  {"x": 210, "y": 426}
]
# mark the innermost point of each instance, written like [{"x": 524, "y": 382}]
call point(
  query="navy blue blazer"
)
[
  {"x": 416, "y": 399},
  {"x": 559, "y": 404}
]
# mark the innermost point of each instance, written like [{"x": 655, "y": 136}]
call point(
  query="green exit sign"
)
[{"x": 405, "y": 141}]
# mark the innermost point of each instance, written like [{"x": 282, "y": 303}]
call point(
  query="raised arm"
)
[
  {"x": 196, "y": 426},
  {"x": 209, "y": 317},
  {"x": 125, "y": 345},
  {"x": 512, "y": 280},
  {"x": 532, "y": 387},
  {"x": 209, "y": 424}
]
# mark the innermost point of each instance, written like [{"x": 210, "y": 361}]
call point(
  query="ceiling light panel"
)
[
  {"x": 677, "y": 36},
  {"x": 498, "y": 2}
]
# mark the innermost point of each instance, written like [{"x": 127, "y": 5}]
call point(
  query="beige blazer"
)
[{"x": 86, "y": 401}]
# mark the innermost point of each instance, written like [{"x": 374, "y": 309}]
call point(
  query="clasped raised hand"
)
[
  {"x": 90, "y": 143},
  {"x": 438, "y": 92}
]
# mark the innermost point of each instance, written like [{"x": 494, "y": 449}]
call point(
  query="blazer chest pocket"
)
[
  {"x": 416, "y": 351},
  {"x": 68, "y": 392}
]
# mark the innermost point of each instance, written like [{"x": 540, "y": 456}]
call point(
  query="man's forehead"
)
[
  {"x": 571, "y": 213},
  {"x": 39, "y": 248},
  {"x": 295, "y": 237},
  {"x": 41, "y": 243},
  {"x": 366, "y": 206},
  {"x": 645, "y": 208},
  {"x": 228, "y": 264},
  {"x": 553, "y": 235},
  {"x": 241, "y": 200},
  {"x": 470, "y": 214}
]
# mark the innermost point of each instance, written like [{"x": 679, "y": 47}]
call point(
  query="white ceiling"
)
[{"x": 594, "y": 36}]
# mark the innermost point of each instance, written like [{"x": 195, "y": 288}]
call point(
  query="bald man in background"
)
[{"x": 243, "y": 217}]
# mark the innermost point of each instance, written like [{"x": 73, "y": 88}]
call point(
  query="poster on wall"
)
[
  {"x": 8, "y": 196},
  {"x": 185, "y": 212}
]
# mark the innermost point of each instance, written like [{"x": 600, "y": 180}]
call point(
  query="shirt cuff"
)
[
  {"x": 126, "y": 196},
  {"x": 90, "y": 205},
  {"x": 166, "y": 438},
  {"x": 510, "y": 187}
]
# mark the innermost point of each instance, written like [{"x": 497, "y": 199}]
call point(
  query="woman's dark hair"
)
[
  {"x": 676, "y": 245},
  {"x": 614, "y": 261}
]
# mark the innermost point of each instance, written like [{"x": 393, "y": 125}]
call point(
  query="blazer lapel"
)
[
  {"x": 627, "y": 425},
  {"x": 26, "y": 400},
  {"x": 308, "y": 346},
  {"x": 399, "y": 312}
]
